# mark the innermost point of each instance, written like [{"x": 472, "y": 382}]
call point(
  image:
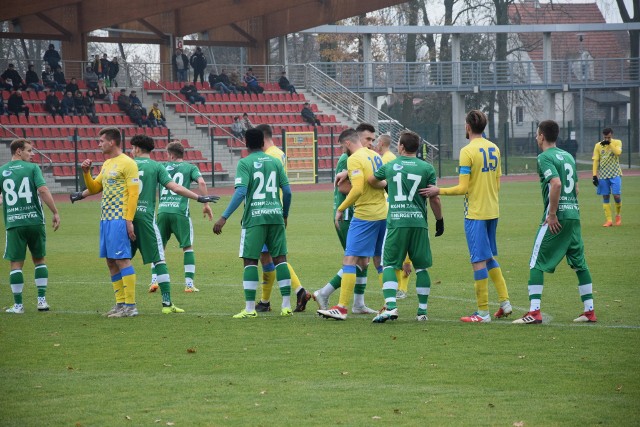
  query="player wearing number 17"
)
[
  {"x": 258, "y": 178},
  {"x": 479, "y": 182}
]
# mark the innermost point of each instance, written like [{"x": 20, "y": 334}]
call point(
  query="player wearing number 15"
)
[
  {"x": 22, "y": 186},
  {"x": 559, "y": 234}
]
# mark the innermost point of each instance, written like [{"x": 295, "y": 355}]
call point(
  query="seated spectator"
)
[
  {"x": 16, "y": 105},
  {"x": 237, "y": 128},
  {"x": 90, "y": 106},
  {"x": 124, "y": 102},
  {"x": 68, "y": 105},
  {"x": 3, "y": 110},
  {"x": 215, "y": 83},
  {"x": 156, "y": 118},
  {"x": 6, "y": 84},
  {"x": 308, "y": 116},
  {"x": 60, "y": 79},
  {"x": 246, "y": 123},
  {"x": 72, "y": 86},
  {"x": 136, "y": 101},
  {"x": 136, "y": 116},
  {"x": 285, "y": 84},
  {"x": 235, "y": 81},
  {"x": 252, "y": 83},
  {"x": 11, "y": 74},
  {"x": 78, "y": 101},
  {"x": 192, "y": 95},
  {"x": 91, "y": 78},
  {"x": 52, "y": 104},
  {"x": 48, "y": 81},
  {"x": 103, "y": 92},
  {"x": 52, "y": 57},
  {"x": 32, "y": 80},
  {"x": 224, "y": 78}
]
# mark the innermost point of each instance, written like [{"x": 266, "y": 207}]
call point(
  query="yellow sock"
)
[
  {"x": 481, "y": 285},
  {"x": 607, "y": 211},
  {"x": 295, "y": 282},
  {"x": 403, "y": 281},
  {"x": 498, "y": 281},
  {"x": 268, "y": 279},
  {"x": 618, "y": 207},
  {"x": 129, "y": 284},
  {"x": 348, "y": 284},
  {"x": 118, "y": 291}
]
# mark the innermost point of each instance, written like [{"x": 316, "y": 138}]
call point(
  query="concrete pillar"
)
[
  {"x": 370, "y": 112},
  {"x": 282, "y": 51},
  {"x": 549, "y": 106},
  {"x": 458, "y": 112}
]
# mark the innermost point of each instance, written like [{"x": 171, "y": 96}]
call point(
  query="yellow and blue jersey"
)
[
  {"x": 387, "y": 157},
  {"x": 606, "y": 159},
  {"x": 371, "y": 205},
  {"x": 480, "y": 159},
  {"x": 277, "y": 153},
  {"x": 116, "y": 176}
]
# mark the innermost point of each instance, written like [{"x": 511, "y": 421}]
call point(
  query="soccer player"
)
[
  {"x": 268, "y": 267},
  {"x": 148, "y": 239},
  {"x": 607, "y": 175},
  {"x": 366, "y": 231},
  {"x": 479, "y": 182},
  {"x": 258, "y": 178},
  {"x": 559, "y": 235},
  {"x": 384, "y": 149},
  {"x": 23, "y": 188},
  {"x": 119, "y": 183},
  {"x": 173, "y": 212},
  {"x": 407, "y": 230},
  {"x": 367, "y": 134}
]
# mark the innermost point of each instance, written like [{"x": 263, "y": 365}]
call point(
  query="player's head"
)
[
  {"x": 367, "y": 134},
  {"x": 607, "y": 134},
  {"x": 266, "y": 130},
  {"x": 109, "y": 140},
  {"x": 254, "y": 138},
  {"x": 21, "y": 149},
  {"x": 350, "y": 140},
  {"x": 476, "y": 121},
  {"x": 548, "y": 131},
  {"x": 409, "y": 142},
  {"x": 384, "y": 143},
  {"x": 143, "y": 143},
  {"x": 175, "y": 150}
]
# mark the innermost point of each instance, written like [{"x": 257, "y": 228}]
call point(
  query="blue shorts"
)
[
  {"x": 365, "y": 238},
  {"x": 481, "y": 238},
  {"x": 608, "y": 186},
  {"x": 114, "y": 240}
]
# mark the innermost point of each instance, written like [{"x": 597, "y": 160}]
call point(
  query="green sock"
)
[
  {"x": 189, "y": 267},
  {"x": 154, "y": 273},
  {"x": 42, "y": 277},
  {"x": 250, "y": 283},
  {"x": 164, "y": 282},
  {"x": 336, "y": 281},
  {"x": 423, "y": 289},
  {"x": 389, "y": 287},
  {"x": 284, "y": 283},
  {"x": 16, "y": 280},
  {"x": 361, "y": 285}
]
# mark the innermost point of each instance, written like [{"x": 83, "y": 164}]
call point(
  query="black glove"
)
[
  {"x": 439, "y": 227},
  {"x": 74, "y": 197},
  {"x": 207, "y": 199},
  {"x": 605, "y": 142},
  {"x": 595, "y": 180}
]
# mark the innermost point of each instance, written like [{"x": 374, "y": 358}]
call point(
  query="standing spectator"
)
[
  {"x": 105, "y": 64},
  {"x": 192, "y": 95},
  {"x": 97, "y": 65},
  {"x": 68, "y": 105},
  {"x": 59, "y": 78},
  {"x": 252, "y": 83},
  {"x": 180, "y": 65},
  {"x": 198, "y": 63},
  {"x": 32, "y": 80},
  {"x": 90, "y": 106},
  {"x": 124, "y": 102},
  {"x": 156, "y": 118},
  {"x": 103, "y": 92},
  {"x": 78, "y": 101},
  {"x": 607, "y": 175},
  {"x": 72, "y": 86},
  {"x": 136, "y": 101},
  {"x": 15, "y": 104},
  {"x": 216, "y": 83},
  {"x": 52, "y": 104},
  {"x": 52, "y": 57},
  {"x": 246, "y": 123},
  {"x": 308, "y": 116},
  {"x": 114, "y": 68},
  {"x": 285, "y": 84},
  {"x": 136, "y": 116},
  {"x": 237, "y": 129},
  {"x": 235, "y": 81},
  {"x": 11, "y": 74},
  {"x": 91, "y": 78}
]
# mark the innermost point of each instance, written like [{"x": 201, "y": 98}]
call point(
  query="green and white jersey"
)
[
  {"x": 557, "y": 163},
  {"x": 184, "y": 174},
  {"x": 263, "y": 176},
  {"x": 21, "y": 205},
  {"x": 405, "y": 176},
  {"x": 151, "y": 174},
  {"x": 338, "y": 197}
]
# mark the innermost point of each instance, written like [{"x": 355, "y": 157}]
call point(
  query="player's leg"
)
[
  {"x": 616, "y": 189},
  {"x": 36, "y": 242},
  {"x": 479, "y": 251},
  {"x": 403, "y": 279},
  {"x": 604, "y": 189},
  {"x": 15, "y": 251},
  {"x": 276, "y": 240},
  {"x": 322, "y": 295},
  {"x": 376, "y": 241},
  {"x": 576, "y": 260},
  {"x": 118, "y": 254},
  {"x": 16, "y": 280},
  {"x": 419, "y": 250},
  {"x": 495, "y": 273},
  {"x": 393, "y": 255},
  {"x": 252, "y": 240},
  {"x": 268, "y": 279},
  {"x": 185, "y": 237}
]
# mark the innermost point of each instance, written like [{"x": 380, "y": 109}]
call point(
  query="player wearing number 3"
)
[
  {"x": 479, "y": 182},
  {"x": 560, "y": 234}
]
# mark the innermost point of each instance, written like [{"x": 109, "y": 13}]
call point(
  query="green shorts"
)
[
  {"x": 148, "y": 241},
  {"x": 342, "y": 233},
  {"x": 549, "y": 249},
  {"x": 19, "y": 238},
  {"x": 252, "y": 240},
  {"x": 398, "y": 242},
  {"x": 178, "y": 225}
]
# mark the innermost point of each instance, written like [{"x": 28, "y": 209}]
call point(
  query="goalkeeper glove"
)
[
  {"x": 439, "y": 227},
  {"x": 207, "y": 199},
  {"x": 595, "y": 180},
  {"x": 75, "y": 197},
  {"x": 605, "y": 142}
]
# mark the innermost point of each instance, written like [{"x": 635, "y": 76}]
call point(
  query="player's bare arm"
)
[
  {"x": 554, "y": 198},
  {"x": 45, "y": 196},
  {"x": 217, "y": 227},
  {"x": 436, "y": 207},
  {"x": 206, "y": 209},
  {"x": 376, "y": 183}
]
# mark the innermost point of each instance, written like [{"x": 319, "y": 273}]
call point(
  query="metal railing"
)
[{"x": 45, "y": 161}]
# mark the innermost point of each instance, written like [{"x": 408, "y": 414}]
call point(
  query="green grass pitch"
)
[{"x": 72, "y": 367}]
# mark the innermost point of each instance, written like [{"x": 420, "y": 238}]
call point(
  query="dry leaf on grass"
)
[
  {"x": 518, "y": 424},
  {"x": 191, "y": 350}
]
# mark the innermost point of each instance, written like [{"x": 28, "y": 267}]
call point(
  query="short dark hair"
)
[
  {"x": 18, "y": 144},
  {"x": 266, "y": 130},
  {"x": 176, "y": 148},
  {"x": 348, "y": 134},
  {"x": 112, "y": 134},
  {"x": 365, "y": 126},
  {"x": 549, "y": 129},
  {"x": 607, "y": 131},
  {"x": 254, "y": 139},
  {"x": 476, "y": 120},
  {"x": 143, "y": 142},
  {"x": 410, "y": 141}
]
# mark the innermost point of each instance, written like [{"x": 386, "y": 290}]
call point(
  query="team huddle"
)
[{"x": 380, "y": 214}]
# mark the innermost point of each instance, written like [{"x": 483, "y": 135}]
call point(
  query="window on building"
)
[{"x": 519, "y": 115}]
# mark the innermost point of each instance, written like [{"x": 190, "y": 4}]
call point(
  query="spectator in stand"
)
[
  {"x": 216, "y": 83},
  {"x": 156, "y": 118},
  {"x": 59, "y": 78},
  {"x": 136, "y": 116},
  {"x": 246, "y": 123},
  {"x": 105, "y": 64},
  {"x": 97, "y": 65},
  {"x": 91, "y": 78},
  {"x": 237, "y": 128},
  {"x": 6, "y": 84},
  {"x": 52, "y": 57},
  {"x": 16, "y": 105},
  {"x": 78, "y": 101},
  {"x": 285, "y": 84},
  {"x": 308, "y": 116},
  {"x": 3, "y": 110},
  {"x": 235, "y": 81},
  {"x": 32, "y": 79},
  {"x": 90, "y": 106},
  {"x": 72, "y": 86},
  {"x": 198, "y": 63},
  {"x": 11, "y": 74},
  {"x": 48, "y": 80},
  {"x": 114, "y": 68},
  {"x": 192, "y": 95},
  {"x": 252, "y": 83},
  {"x": 52, "y": 104},
  {"x": 180, "y": 65},
  {"x": 124, "y": 102},
  {"x": 136, "y": 101},
  {"x": 103, "y": 92},
  {"x": 68, "y": 105}
]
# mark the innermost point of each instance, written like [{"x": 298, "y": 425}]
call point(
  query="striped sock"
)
[
  {"x": 536, "y": 282},
  {"x": 42, "y": 279},
  {"x": 164, "y": 282},
  {"x": 189, "y": 267},
  {"x": 423, "y": 289},
  {"x": 16, "y": 280},
  {"x": 586, "y": 289},
  {"x": 389, "y": 287},
  {"x": 250, "y": 284},
  {"x": 284, "y": 283},
  {"x": 361, "y": 285}
]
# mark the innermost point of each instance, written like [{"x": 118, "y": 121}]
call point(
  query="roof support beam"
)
[
  {"x": 36, "y": 36},
  {"x": 154, "y": 29},
  {"x": 135, "y": 40},
  {"x": 228, "y": 43},
  {"x": 243, "y": 33},
  {"x": 53, "y": 23}
]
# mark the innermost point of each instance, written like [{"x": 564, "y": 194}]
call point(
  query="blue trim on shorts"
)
[
  {"x": 365, "y": 238},
  {"x": 608, "y": 186},
  {"x": 481, "y": 238},
  {"x": 114, "y": 240}
]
